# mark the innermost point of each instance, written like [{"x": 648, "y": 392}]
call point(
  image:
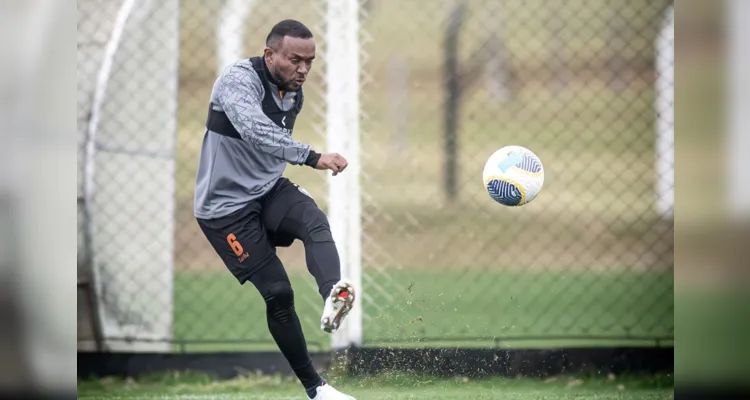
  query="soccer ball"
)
[{"x": 513, "y": 176}]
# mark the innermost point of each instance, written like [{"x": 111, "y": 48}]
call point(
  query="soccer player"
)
[{"x": 246, "y": 208}]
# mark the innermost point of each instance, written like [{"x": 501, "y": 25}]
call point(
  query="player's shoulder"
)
[
  {"x": 241, "y": 70},
  {"x": 239, "y": 67}
]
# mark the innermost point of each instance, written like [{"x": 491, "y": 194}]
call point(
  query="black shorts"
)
[{"x": 247, "y": 239}]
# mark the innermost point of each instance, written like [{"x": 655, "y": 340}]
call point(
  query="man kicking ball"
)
[{"x": 246, "y": 208}]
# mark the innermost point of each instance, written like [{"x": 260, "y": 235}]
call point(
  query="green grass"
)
[
  {"x": 194, "y": 386},
  {"x": 714, "y": 324},
  {"x": 445, "y": 305}
]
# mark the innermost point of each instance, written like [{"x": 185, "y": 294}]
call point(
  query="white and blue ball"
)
[{"x": 513, "y": 176}]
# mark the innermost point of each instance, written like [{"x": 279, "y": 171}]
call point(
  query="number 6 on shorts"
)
[{"x": 236, "y": 246}]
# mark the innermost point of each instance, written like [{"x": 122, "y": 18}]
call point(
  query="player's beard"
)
[
  {"x": 286, "y": 85},
  {"x": 290, "y": 85}
]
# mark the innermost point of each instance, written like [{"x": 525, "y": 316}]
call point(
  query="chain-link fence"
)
[{"x": 585, "y": 84}]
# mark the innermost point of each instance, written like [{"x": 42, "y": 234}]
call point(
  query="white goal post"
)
[
  {"x": 665, "y": 117},
  {"x": 342, "y": 62},
  {"x": 738, "y": 142}
]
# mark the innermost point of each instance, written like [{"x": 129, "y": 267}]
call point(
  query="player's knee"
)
[
  {"x": 280, "y": 300},
  {"x": 318, "y": 229}
]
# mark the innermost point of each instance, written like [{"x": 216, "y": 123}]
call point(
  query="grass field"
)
[
  {"x": 398, "y": 387},
  {"x": 589, "y": 259},
  {"x": 445, "y": 305}
]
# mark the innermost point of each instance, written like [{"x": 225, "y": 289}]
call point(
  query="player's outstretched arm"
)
[{"x": 240, "y": 95}]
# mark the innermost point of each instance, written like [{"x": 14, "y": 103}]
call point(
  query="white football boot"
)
[
  {"x": 327, "y": 392},
  {"x": 337, "y": 306}
]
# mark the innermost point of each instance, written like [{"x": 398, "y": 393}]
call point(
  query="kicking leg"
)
[{"x": 306, "y": 222}]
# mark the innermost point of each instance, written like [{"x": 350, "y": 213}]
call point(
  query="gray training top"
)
[{"x": 233, "y": 171}]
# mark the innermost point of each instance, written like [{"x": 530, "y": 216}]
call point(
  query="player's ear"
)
[{"x": 267, "y": 53}]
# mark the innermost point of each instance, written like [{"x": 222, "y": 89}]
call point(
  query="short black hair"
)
[{"x": 287, "y": 27}]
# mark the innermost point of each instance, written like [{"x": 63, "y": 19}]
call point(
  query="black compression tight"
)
[{"x": 306, "y": 222}]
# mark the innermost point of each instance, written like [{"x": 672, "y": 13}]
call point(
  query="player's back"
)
[{"x": 234, "y": 169}]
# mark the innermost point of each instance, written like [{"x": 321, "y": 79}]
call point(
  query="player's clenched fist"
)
[{"x": 333, "y": 161}]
